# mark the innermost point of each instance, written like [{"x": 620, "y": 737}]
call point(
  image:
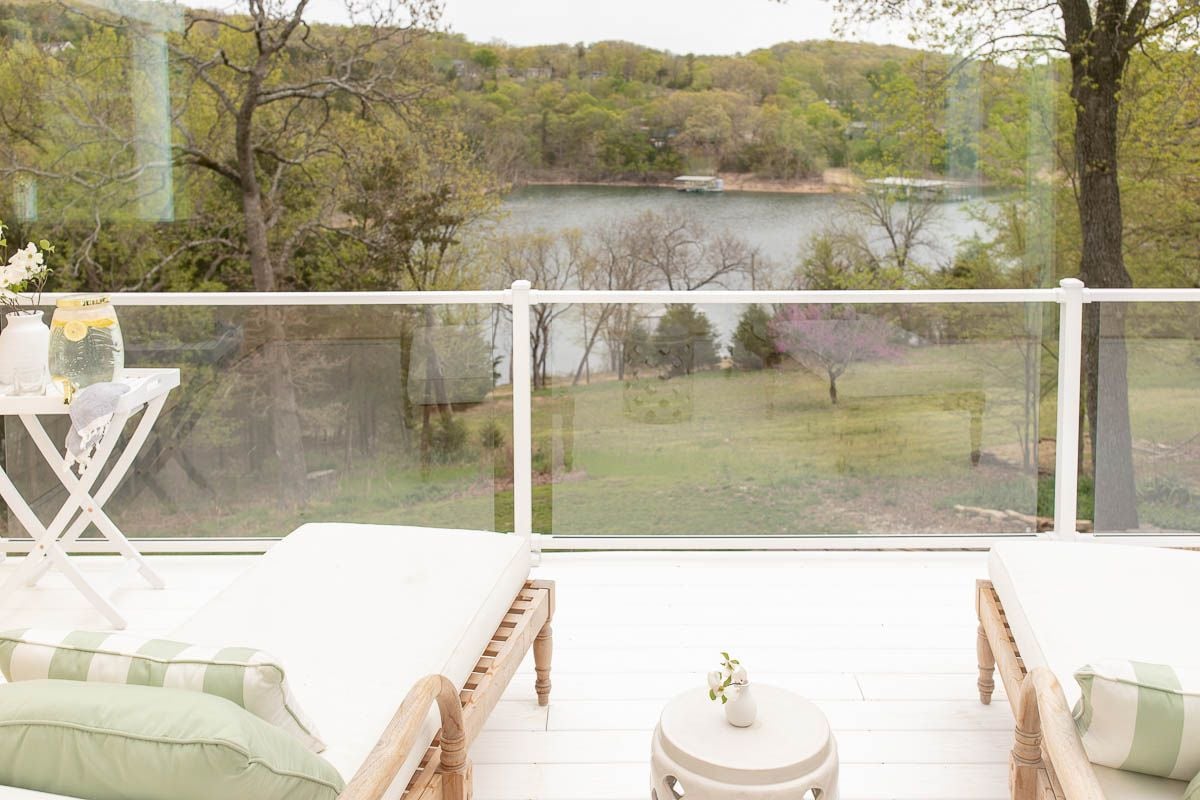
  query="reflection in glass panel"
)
[
  {"x": 1158, "y": 345},
  {"x": 727, "y": 420},
  {"x": 288, "y": 415}
]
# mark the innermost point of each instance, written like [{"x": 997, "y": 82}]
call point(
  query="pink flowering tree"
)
[{"x": 828, "y": 340}]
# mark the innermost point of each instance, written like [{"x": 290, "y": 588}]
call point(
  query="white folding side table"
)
[{"x": 148, "y": 389}]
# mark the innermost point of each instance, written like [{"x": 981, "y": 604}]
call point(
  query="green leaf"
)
[
  {"x": 724, "y": 699},
  {"x": 712, "y": 695},
  {"x": 725, "y": 655}
]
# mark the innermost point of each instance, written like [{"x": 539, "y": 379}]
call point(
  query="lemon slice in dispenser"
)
[{"x": 75, "y": 331}]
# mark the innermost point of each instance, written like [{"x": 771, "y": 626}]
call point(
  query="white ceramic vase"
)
[
  {"x": 741, "y": 710},
  {"x": 25, "y": 353}
]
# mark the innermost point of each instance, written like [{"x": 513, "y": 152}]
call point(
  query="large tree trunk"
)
[
  {"x": 1096, "y": 80},
  {"x": 286, "y": 433}
]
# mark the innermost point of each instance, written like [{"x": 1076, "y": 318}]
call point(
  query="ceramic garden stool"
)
[{"x": 788, "y": 753}]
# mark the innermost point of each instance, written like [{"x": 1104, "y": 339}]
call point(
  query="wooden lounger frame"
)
[
  {"x": 1048, "y": 761},
  {"x": 445, "y": 771}
]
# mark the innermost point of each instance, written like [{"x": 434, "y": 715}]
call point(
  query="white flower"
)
[
  {"x": 26, "y": 264},
  {"x": 739, "y": 675},
  {"x": 715, "y": 679},
  {"x": 11, "y": 278}
]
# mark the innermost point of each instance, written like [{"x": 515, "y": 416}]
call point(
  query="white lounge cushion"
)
[
  {"x": 1070, "y": 604},
  {"x": 360, "y": 613}
]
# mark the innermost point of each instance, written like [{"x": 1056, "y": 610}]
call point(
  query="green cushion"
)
[
  {"x": 1140, "y": 717},
  {"x": 251, "y": 678},
  {"x": 107, "y": 741},
  {"x": 1192, "y": 792}
]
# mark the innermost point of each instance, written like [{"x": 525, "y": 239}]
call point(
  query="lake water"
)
[{"x": 780, "y": 225}]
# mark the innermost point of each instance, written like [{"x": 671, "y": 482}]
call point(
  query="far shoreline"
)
[{"x": 834, "y": 181}]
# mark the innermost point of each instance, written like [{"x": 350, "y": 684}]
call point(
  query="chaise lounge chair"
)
[
  {"x": 389, "y": 635},
  {"x": 1048, "y": 609}
]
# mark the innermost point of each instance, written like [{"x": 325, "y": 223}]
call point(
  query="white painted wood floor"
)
[{"x": 883, "y": 642}]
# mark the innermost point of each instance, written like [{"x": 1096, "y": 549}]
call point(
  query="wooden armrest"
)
[
  {"x": 376, "y": 774},
  {"x": 1043, "y": 708}
]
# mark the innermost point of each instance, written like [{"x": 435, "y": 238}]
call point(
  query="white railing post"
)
[
  {"x": 522, "y": 390},
  {"x": 1066, "y": 448}
]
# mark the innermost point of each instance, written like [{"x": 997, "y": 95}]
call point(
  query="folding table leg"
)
[
  {"x": 90, "y": 507},
  {"x": 47, "y": 551}
]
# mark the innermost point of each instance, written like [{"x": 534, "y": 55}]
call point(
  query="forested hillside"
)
[{"x": 616, "y": 110}]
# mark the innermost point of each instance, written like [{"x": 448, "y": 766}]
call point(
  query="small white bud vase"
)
[
  {"x": 741, "y": 710},
  {"x": 24, "y": 353}
]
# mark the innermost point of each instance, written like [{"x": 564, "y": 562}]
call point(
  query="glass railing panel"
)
[
  {"x": 287, "y": 415},
  {"x": 727, "y": 420},
  {"x": 1147, "y": 458}
]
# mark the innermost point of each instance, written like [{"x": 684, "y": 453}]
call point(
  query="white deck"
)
[{"x": 883, "y": 642}]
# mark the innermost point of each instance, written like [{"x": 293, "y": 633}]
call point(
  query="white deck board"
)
[{"x": 882, "y": 642}]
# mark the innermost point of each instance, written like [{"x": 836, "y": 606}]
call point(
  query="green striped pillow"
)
[
  {"x": 248, "y": 677},
  {"x": 1140, "y": 717},
  {"x": 1192, "y": 792}
]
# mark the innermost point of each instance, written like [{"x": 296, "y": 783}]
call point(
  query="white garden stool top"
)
[{"x": 789, "y": 751}]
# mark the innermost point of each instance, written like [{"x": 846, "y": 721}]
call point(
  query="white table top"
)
[
  {"x": 790, "y": 738},
  {"x": 144, "y": 386}
]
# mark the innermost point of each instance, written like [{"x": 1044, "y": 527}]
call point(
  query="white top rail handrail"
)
[
  {"x": 496, "y": 297},
  {"x": 1141, "y": 295},
  {"x": 736, "y": 297},
  {"x": 650, "y": 296}
]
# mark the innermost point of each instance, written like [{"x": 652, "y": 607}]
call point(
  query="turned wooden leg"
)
[
  {"x": 1026, "y": 760},
  {"x": 454, "y": 769},
  {"x": 1024, "y": 764},
  {"x": 987, "y": 667},
  {"x": 543, "y": 650}
]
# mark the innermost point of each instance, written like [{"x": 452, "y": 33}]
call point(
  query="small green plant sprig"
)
[
  {"x": 23, "y": 274},
  {"x": 731, "y": 673}
]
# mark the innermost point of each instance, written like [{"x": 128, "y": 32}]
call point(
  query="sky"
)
[{"x": 681, "y": 26}]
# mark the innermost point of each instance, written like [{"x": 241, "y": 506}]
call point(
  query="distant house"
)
[
  {"x": 598, "y": 75},
  {"x": 660, "y": 138},
  {"x": 857, "y": 130},
  {"x": 57, "y": 48},
  {"x": 539, "y": 73}
]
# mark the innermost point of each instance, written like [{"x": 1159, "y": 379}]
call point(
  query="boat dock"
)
[{"x": 699, "y": 183}]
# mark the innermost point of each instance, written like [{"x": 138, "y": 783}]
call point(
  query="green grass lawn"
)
[{"x": 749, "y": 453}]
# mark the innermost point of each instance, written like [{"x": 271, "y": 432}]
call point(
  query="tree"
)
[
  {"x": 487, "y": 60},
  {"x": 274, "y": 84},
  {"x": 685, "y": 340},
  {"x": 403, "y": 221},
  {"x": 828, "y": 340},
  {"x": 548, "y": 261},
  {"x": 753, "y": 346},
  {"x": 872, "y": 243},
  {"x": 677, "y": 249},
  {"x": 612, "y": 265},
  {"x": 1098, "y": 37}
]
